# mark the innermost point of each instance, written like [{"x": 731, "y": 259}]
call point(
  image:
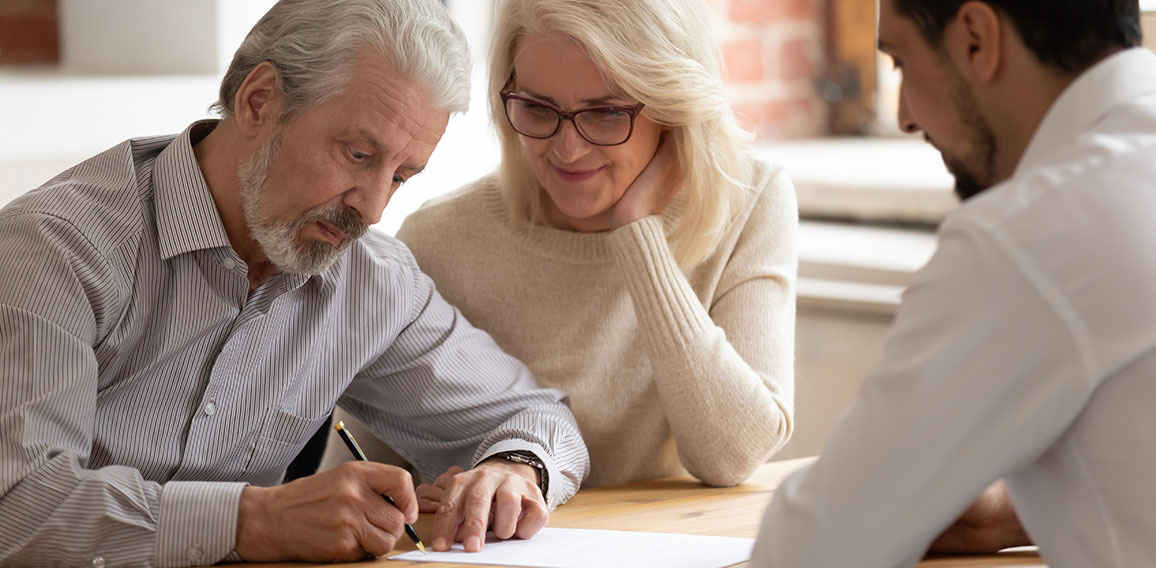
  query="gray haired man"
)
[{"x": 179, "y": 314}]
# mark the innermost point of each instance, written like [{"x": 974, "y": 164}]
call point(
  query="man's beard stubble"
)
[
  {"x": 968, "y": 181},
  {"x": 279, "y": 238},
  {"x": 975, "y": 175}
]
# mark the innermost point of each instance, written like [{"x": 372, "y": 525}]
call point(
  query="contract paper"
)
[{"x": 582, "y": 548}]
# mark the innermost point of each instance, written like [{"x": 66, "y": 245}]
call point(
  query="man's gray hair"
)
[{"x": 312, "y": 44}]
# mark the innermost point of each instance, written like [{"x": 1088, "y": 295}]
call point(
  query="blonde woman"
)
[{"x": 629, "y": 249}]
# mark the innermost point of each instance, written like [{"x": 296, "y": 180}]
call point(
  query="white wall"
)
[
  {"x": 234, "y": 20},
  {"x": 834, "y": 350},
  {"x": 159, "y": 37},
  {"x": 129, "y": 68},
  {"x": 138, "y": 36},
  {"x": 475, "y": 18}
]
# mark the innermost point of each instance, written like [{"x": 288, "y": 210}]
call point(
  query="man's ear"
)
[
  {"x": 258, "y": 101},
  {"x": 974, "y": 42}
]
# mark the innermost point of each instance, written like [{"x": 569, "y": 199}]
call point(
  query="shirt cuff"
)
[
  {"x": 198, "y": 522},
  {"x": 552, "y": 471}
]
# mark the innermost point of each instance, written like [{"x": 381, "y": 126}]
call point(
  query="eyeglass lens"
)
[{"x": 597, "y": 126}]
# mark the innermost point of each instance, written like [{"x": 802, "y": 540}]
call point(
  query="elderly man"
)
[
  {"x": 1026, "y": 349},
  {"x": 179, "y": 314}
]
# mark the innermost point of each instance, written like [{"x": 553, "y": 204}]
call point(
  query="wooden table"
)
[{"x": 683, "y": 505}]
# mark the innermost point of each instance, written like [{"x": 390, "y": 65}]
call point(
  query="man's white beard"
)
[{"x": 279, "y": 239}]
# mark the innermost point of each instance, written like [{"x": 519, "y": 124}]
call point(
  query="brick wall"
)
[
  {"x": 29, "y": 32},
  {"x": 773, "y": 53}
]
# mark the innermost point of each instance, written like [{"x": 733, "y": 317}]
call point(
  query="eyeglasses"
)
[{"x": 601, "y": 126}]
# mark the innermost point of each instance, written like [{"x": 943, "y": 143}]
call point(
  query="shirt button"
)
[
  {"x": 98, "y": 562},
  {"x": 193, "y": 554},
  {"x": 210, "y": 408},
  {"x": 229, "y": 264}
]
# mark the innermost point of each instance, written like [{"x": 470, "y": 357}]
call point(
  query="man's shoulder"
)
[
  {"x": 1103, "y": 170},
  {"x": 103, "y": 197},
  {"x": 377, "y": 253},
  {"x": 381, "y": 267},
  {"x": 1086, "y": 209}
]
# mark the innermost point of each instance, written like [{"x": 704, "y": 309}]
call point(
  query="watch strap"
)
[{"x": 528, "y": 458}]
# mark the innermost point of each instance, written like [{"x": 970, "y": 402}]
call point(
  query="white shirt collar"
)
[{"x": 1116, "y": 80}]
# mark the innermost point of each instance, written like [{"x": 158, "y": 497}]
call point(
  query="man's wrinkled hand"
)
[
  {"x": 989, "y": 525},
  {"x": 496, "y": 494},
  {"x": 337, "y": 515}
]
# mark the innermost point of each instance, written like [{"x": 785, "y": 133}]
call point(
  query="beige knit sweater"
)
[{"x": 667, "y": 372}]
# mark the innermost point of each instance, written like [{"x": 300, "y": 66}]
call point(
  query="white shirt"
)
[{"x": 1023, "y": 351}]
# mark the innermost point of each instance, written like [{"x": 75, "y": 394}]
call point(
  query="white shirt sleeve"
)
[{"x": 985, "y": 367}]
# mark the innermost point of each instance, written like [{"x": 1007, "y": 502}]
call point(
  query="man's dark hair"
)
[{"x": 1069, "y": 34}]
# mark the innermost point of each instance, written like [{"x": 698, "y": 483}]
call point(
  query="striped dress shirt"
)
[{"x": 144, "y": 385}]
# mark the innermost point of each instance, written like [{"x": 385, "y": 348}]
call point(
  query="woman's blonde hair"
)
[{"x": 660, "y": 52}]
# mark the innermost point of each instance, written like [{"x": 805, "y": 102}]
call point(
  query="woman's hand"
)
[
  {"x": 652, "y": 189},
  {"x": 430, "y": 496}
]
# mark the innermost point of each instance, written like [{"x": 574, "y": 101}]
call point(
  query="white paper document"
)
[{"x": 584, "y": 548}]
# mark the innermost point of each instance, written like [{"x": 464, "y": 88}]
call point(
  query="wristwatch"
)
[{"x": 528, "y": 458}]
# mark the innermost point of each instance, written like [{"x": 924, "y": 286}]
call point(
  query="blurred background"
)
[{"x": 79, "y": 76}]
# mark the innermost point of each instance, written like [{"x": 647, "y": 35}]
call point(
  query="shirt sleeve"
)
[
  {"x": 985, "y": 367},
  {"x": 56, "y": 294},
  {"x": 444, "y": 394},
  {"x": 724, "y": 372}
]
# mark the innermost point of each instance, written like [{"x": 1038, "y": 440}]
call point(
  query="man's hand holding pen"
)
[
  {"x": 340, "y": 515},
  {"x": 336, "y": 515}
]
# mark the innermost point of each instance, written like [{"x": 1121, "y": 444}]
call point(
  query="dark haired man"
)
[{"x": 1026, "y": 350}]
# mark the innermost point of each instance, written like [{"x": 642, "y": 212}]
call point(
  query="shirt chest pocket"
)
[{"x": 281, "y": 438}]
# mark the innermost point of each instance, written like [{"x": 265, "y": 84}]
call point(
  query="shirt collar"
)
[
  {"x": 187, "y": 217},
  {"x": 1114, "y": 81},
  {"x": 327, "y": 281}
]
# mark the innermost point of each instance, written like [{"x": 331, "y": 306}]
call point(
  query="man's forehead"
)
[
  {"x": 391, "y": 109},
  {"x": 886, "y": 27},
  {"x": 377, "y": 82},
  {"x": 886, "y": 11}
]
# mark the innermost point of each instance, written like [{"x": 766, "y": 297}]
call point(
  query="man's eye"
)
[
  {"x": 358, "y": 156},
  {"x": 398, "y": 180}
]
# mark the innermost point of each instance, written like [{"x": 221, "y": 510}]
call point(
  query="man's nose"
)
[
  {"x": 369, "y": 199},
  {"x": 906, "y": 121}
]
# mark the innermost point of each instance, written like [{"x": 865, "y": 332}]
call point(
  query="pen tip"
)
[
  {"x": 422, "y": 548},
  {"x": 339, "y": 426}
]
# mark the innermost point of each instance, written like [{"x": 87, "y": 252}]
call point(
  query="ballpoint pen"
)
[{"x": 357, "y": 453}]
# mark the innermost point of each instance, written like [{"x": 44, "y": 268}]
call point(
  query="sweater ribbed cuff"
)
[{"x": 670, "y": 313}]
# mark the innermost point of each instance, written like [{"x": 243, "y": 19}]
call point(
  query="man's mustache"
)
[{"x": 339, "y": 217}]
